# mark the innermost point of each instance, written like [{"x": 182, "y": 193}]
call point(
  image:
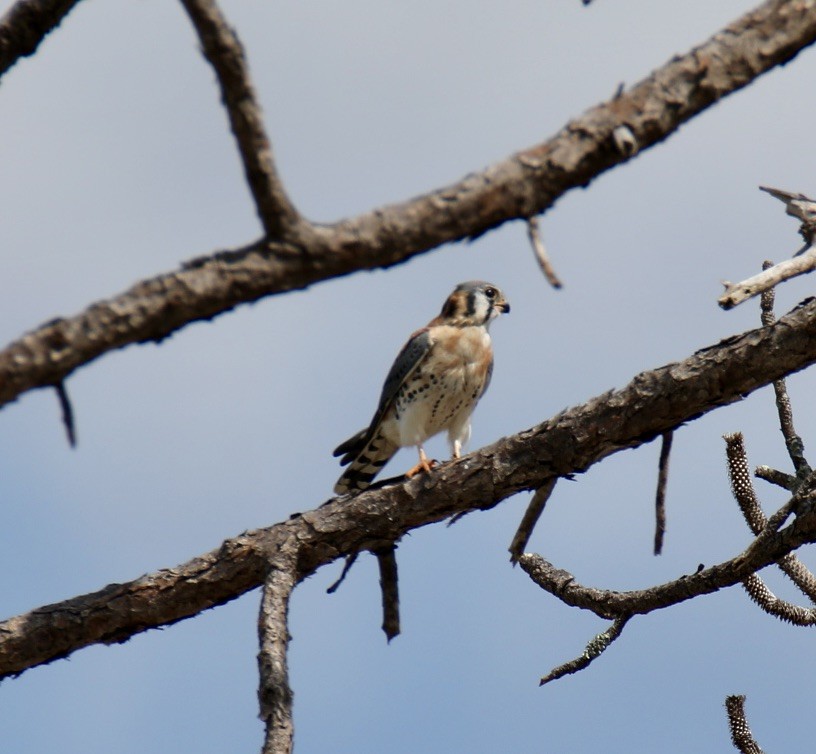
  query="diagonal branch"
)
[
  {"x": 597, "y": 646},
  {"x": 26, "y": 24},
  {"x": 654, "y": 402},
  {"x": 521, "y": 186},
  {"x": 225, "y": 53}
]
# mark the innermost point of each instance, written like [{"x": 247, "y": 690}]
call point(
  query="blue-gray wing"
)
[
  {"x": 413, "y": 353},
  {"x": 408, "y": 360}
]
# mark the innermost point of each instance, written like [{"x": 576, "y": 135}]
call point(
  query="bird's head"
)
[{"x": 473, "y": 303}]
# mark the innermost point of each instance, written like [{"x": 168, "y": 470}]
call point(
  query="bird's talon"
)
[{"x": 425, "y": 466}]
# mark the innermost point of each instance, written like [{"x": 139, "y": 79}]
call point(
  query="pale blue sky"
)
[{"x": 117, "y": 164}]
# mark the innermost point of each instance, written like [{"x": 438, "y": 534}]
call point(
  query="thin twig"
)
[
  {"x": 224, "y": 51},
  {"x": 801, "y": 207},
  {"x": 594, "y": 649},
  {"x": 350, "y": 560},
  {"x": 660, "y": 495},
  {"x": 741, "y": 735},
  {"x": 67, "y": 413},
  {"x": 530, "y": 519},
  {"x": 540, "y": 252},
  {"x": 793, "y": 442},
  {"x": 389, "y": 586},
  {"x": 774, "y": 476},
  {"x": 274, "y": 692}
]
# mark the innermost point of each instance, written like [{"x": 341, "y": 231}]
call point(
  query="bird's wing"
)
[{"x": 413, "y": 353}]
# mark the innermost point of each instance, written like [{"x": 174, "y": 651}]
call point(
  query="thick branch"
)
[
  {"x": 225, "y": 53},
  {"x": 522, "y": 186},
  {"x": 26, "y": 24},
  {"x": 654, "y": 402}
]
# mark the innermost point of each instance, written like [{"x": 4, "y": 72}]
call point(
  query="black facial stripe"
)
[{"x": 471, "y": 303}]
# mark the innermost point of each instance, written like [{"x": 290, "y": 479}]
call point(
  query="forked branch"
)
[{"x": 225, "y": 53}]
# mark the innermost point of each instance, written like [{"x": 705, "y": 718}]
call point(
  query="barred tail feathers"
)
[{"x": 366, "y": 460}]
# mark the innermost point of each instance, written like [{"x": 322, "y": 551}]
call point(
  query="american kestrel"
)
[{"x": 434, "y": 385}]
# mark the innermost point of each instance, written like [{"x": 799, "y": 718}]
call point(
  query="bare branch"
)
[
  {"x": 606, "y": 603},
  {"x": 534, "y": 510},
  {"x": 524, "y": 185},
  {"x": 26, "y": 24},
  {"x": 594, "y": 649},
  {"x": 741, "y": 735},
  {"x": 225, "y": 53},
  {"x": 274, "y": 692},
  {"x": 736, "y": 293},
  {"x": 350, "y": 560},
  {"x": 802, "y": 208},
  {"x": 389, "y": 586},
  {"x": 774, "y": 476},
  {"x": 653, "y": 403},
  {"x": 67, "y": 413},
  {"x": 660, "y": 495},
  {"x": 793, "y": 442},
  {"x": 540, "y": 251}
]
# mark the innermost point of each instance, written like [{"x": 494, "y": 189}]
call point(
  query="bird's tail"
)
[{"x": 365, "y": 457}]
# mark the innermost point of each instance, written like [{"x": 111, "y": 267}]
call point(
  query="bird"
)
[{"x": 434, "y": 385}]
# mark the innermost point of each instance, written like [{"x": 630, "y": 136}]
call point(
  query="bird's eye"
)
[{"x": 490, "y": 293}]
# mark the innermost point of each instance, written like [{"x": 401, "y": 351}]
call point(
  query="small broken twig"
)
[
  {"x": 594, "y": 649},
  {"x": 800, "y": 207},
  {"x": 736, "y": 293},
  {"x": 530, "y": 519},
  {"x": 741, "y": 735},
  {"x": 803, "y": 261},
  {"x": 67, "y": 413},
  {"x": 387, "y": 560},
  {"x": 540, "y": 251},
  {"x": 346, "y": 568},
  {"x": 660, "y": 495},
  {"x": 774, "y": 476}
]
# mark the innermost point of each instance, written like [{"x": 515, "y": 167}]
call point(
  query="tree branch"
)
[
  {"x": 224, "y": 51},
  {"x": 793, "y": 442},
  {"x": 522, "y": 186},
  {"x": 736, "y": 293},
  {"x": 26, "y": 24},
  {"x": 653, "y": 403},
  {"x": 274, "y": 692},
  {"x": 594, "y": 649},
  {"x": 660, "y": 493}
]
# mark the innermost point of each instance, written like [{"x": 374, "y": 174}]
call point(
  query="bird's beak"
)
[{"x": 503, "y": 307}]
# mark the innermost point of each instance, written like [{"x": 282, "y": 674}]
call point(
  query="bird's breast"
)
[{"x": 446, "y": 387}]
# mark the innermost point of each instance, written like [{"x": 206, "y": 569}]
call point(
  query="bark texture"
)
[{"x": 652, "y": 403}]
